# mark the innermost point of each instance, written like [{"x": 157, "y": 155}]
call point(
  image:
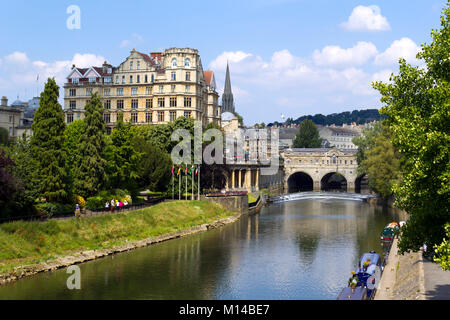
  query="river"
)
[{"x": 302, "y": 249}]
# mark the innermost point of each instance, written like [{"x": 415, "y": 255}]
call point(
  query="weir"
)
[{"x": 322, "y": 195}]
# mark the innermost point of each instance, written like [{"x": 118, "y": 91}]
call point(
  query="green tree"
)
[
  {"x": 72, "y": 136},
  {"x": 4, "y": 136},
  {"x": 47, "y": 144},
  {"x": 381, "y": 161},
  {"x": 122, "y": 158},
  {"x": 308, "y": 136},
  {"x": 90, "y": 167},
  {"x": 366, "y": 141},
  {"x": 154, "y": 167},
  {"x": 417, "y": 102}
]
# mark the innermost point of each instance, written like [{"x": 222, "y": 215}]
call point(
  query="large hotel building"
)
[{"x": 148, "y": 89}]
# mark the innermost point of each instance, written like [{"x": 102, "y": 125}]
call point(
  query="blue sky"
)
[{"x": 291, "y": 57}]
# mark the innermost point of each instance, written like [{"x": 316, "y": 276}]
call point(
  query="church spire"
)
[{"x": 227, "y": 96}]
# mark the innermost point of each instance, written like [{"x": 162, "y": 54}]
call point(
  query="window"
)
[
  {"x": 187, "y": 114},
  {"x": 107, "y": 117},
  {"x": 345, "y": 161},
  {"x": 351, "y": 161},
  {"x": 72, "y": 92},
  {"x": 161, "y": 102},
  {"x": 138, "y": 64},
  {"x": 187, "y": 62},
  {"x": 123, "y": 79},
  {"x": 134, "y": 117},
  {"x": 134, "y": 103},
  {"x": 119, "y": 91},
  {"x": 134, "y": 91},
  {"x": 107, "y": 80},
  {"x": 173, "y": 88},
  {"x": 333, "y": 159},
  {"x": 174, "y": 62},
  {"x": 75, "y": 80},
  {"x": 107, "y": 92},
  {"x": 131, "y": 79},
  {"x": 146, "y": 78},
  {"x": 148, "y": 117},
  {"x": 188, "y": 76},
  {"x": 72, "y": 104},
  {"x": 88, "y": 91},
  {"x": 161, "y": 89},
  {"x": 149, "y": 90},
  {"x": 69, "y": 120},
  {"x": 107, "y": 104},
  {"x": 173, "y": 115},
  {"x": 153, "y": 78},
  {"x": 149, "y": 103},
  {"x": 119, "y": 104},
  {"x": 138, "y": 79},
  {"x": 173, "y": 102},
  {"x": 92, "y": 79},
  {"x": 131, "y": 65},
  {"x": 10, "y": 118},
  {"x": 173, "y": 76},
  {"x": 188, "y": 88},
  {"x": 161, "y": 116},
  {"x": 187, "y": 101}
]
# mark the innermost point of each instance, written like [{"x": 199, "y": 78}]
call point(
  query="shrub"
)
[
  {"x": 50, "y": 209},
  {"x": 80, "y": 200},
  {"x": 93, "y": 203}
]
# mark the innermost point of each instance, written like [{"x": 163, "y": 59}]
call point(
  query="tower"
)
[{"x": 227, "y": 96}]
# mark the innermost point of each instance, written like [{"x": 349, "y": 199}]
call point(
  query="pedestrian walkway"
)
[{"x": 437, "y": 281}]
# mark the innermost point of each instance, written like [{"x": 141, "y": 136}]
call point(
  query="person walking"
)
[
  {"x": 77, "y": 211},
  {"x": 107, "y": 206},
  {"x": 112, "y": 205}
]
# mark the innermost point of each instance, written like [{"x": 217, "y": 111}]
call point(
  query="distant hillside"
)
[{"x": 358, "y": 116}]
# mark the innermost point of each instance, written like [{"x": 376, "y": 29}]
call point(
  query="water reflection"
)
[{"x": 294, "y": 250}]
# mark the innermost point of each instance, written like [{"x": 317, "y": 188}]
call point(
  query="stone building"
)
[
  {"x": 15, "y": 118},
  {"x": 153, "y": 88}
]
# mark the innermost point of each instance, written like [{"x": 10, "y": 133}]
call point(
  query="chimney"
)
[{"x": 4, "y": 101}]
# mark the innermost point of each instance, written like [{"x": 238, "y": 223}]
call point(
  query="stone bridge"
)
[{"x": 318, "y": 169}]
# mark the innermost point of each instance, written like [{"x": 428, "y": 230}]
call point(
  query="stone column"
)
[
  {"x": 257, "y": 179},
  {"x": 239, "y": 179},
  {"x": 248, "y": 179},
  {"x": 233, "y": 181}
]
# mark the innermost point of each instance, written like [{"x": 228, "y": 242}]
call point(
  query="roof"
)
[
  {"x": 146, "y": 57},
  {"x": 208, "y": 74}
]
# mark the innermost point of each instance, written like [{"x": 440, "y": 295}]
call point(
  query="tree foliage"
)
[
  {"x": 308, "y": 136},
  {"x": 417, "y": 102},
  {"x": 47, "y": 144},
  {"x": 378, "y": 158},
  {"x": 90, "y": 165}
]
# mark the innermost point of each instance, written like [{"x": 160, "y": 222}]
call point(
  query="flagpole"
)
[
  {"x": 179, "y": 184},
  {"x": 198, "y": 189},
  {"x": 173, "y": 186},
  {"x": 185, "y": 190},
  {"x": 192, "y": 184}
]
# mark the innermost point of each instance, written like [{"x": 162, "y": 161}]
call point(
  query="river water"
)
[{"x": 303, "y": 249}]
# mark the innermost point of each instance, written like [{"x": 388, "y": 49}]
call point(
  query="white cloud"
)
[
  {"x": 366, "y": 19},
  {"x": 337, "y": 56},
  {"x": 135, "y": 39},
  {"x": 17, "y": 58},
  {"x": 403, "y": 48}
]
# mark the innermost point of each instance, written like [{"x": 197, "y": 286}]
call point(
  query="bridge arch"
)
[
  {"x": 300, "y": 181},
  {"x": 362, "y": 184},
  {"x": 333, "y": 181}
]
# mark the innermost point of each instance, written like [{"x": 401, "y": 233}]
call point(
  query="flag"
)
[
  {"x": 185, "y": 172},
  {"x": 172, "y": 169},
  {"x": 192, "y": 169},
  {"x": 196, "y": 171},
  {"x": 179, "y": 168}
]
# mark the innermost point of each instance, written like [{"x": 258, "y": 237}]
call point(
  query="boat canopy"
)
[{"x": 374, "y": 259}]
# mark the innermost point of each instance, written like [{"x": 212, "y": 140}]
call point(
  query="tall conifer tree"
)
[
  {"x": 47, "y": 145},
  {"x": 90, "y": 169}
]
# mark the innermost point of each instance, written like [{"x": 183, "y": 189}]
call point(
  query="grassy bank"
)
[{"x": 24, "y": 243}]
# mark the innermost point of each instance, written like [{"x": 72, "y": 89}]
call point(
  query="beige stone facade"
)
[{"x": 153, "y": 88}]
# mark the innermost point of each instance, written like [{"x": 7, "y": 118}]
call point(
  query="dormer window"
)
[
  {"x": 92, "y": 79},
  {"x": 174, "y": 63},
  {"x": 138, "y": 64},
  {"x": 131, "y": 65},
  {"x": 187, "y": 62},
  {"x": 75, "y": 80}
]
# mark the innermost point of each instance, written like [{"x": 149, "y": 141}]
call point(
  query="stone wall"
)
[{"x": 233, "y": 203}]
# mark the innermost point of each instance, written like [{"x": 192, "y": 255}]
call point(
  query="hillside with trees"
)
[{"x": 357, "y": 116}]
